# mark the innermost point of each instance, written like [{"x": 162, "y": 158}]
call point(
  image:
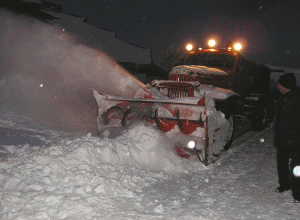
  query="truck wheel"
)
[
  {"x": 260, "y": 121},
  {"x": 130, "y": 115},
  {"x": 231, "y": 118},
  {"x": 114, "y": 113}
]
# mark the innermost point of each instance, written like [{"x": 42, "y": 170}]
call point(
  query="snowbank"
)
[
  {"x": 87, "y": 172},
  {"x": 87, "y": 177}
]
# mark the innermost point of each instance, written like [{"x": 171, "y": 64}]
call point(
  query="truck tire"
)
[
  {"x": 114, "y": 112},
  {"x": 111, "y": 118},
  {"x": 129, "y": 117},
  {"x": 260, "y": 120}
]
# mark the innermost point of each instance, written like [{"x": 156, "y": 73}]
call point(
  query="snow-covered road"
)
[{"x": 86, "y": 177}]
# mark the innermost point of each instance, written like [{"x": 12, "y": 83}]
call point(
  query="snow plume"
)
[{"x": 48, "y": 76}]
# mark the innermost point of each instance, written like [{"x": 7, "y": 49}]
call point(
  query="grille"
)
[
  {"x": 182, "y": 78},
  {"x": 177, "y": 92}
]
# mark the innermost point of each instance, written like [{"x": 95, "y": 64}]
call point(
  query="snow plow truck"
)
[{"x": 198, "y": 103}]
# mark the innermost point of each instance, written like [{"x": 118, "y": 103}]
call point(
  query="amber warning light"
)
[
  {"x": 237, "y": 46},
  {"x": 211, "y": 43},
  {"x": 232, "y": 46},
  {"x": 189, "y": 47}
]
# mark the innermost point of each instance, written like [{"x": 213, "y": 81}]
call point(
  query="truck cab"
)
[{"x": 230, "y": 70}]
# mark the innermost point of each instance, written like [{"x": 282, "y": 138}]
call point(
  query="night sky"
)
[{"x": 268, "y": 29}]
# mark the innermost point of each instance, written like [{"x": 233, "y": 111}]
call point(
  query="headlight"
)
[
  {"x": 211, "y": 43},
  {"x": 296, "y": 171},
  {"x": 237, "y": 46},
  {"x": 191, "y": 144},
  {"x": 189, "y": 47}
]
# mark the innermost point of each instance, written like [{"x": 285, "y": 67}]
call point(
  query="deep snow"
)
[
  {"x": 68, "y": 173},
  {"x": 135, "y": 177}
]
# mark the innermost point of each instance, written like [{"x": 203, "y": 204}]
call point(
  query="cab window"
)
[
  {"x": 197, "y": 59},
  {"x": 221, "y": 60}
]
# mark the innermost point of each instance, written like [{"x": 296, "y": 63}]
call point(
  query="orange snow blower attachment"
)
[{"x": 173, "y": 107}]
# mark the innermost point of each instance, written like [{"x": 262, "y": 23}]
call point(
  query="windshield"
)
[
  {"x": 197, "y": 59},
  {"x": 213, "y": 60}
]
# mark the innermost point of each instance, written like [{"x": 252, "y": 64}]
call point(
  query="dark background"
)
[{"x": 269, "y": 29}]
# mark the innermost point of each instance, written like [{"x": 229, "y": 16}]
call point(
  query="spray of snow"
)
[{"x": 47, "y": 76}]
